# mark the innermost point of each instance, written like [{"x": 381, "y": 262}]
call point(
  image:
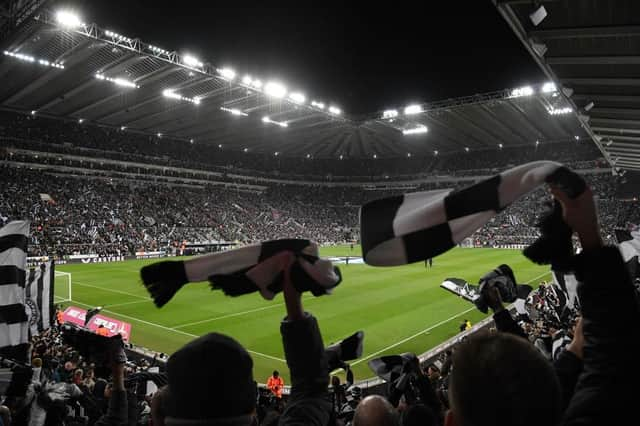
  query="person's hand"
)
[
  {"x": 494, "y": 301},
  {"x": 581, "y": 216},
  {"x": 577, "y": 344}
]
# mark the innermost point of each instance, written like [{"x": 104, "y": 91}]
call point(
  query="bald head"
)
[{"x": 375, "y": 410}]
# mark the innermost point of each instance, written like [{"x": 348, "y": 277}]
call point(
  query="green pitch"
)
[{"x": 400, "y": 309}]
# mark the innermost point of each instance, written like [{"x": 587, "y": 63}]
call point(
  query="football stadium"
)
[{"x": 189, "y": 240}]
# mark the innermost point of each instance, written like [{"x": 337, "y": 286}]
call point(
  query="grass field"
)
[{"x": 400, "y": 309}]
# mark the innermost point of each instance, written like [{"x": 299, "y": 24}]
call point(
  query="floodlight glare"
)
[
  {"x": 246, "y": 80},
  {"x": 266, "y": 119},
  {"x": 435, "y": 152},
  {"x": 256, "y": 83},
  {"x": 81, "y": 120},
  {"x": 416, "y": 130},
  {"x": 375, "y": 156},
  {"x": 276, "y": 153},
  {"x": 334, "y": 110},
  {"x": 389, "y": 113},
  {"x": 191, "y": 61},
  {"x": 68, "y": 19},
  {"x": 235, "y": 111},
  {"x": 559, "y": 111},
  {"x": 297, "y": 97},
  {"x": 33, "y": 112},
  {"x": 246, "y": 149},
  {"x": 227, "y": 73},
  {"x": 466, "y": 149},
  {"x": 408, "y": 154},
  {"x": 308, "y": 155},
  {"x": 317, "y": 104},
  {"x": 522, "y": 91},
  {"x": 274, "y": 89},
  {"x": 500, "y": 145},
  {"x": 413, "y": 109},
  {"x": 123, "y": 128},
  {"x": 548, "y": 87}
]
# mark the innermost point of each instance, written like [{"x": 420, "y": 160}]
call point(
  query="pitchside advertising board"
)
[
  {"x": 77, "y": 316},
  {"x": 94, "y": 258}
]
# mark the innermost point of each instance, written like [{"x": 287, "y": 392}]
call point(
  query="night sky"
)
[{"x": 363, "y": 59}]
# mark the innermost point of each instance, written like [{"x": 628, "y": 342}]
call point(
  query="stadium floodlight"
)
[
  {"x": 169, "y": 93},
  {"x": 297, "y": 97},
  {"x": 421, "y": 128},
  {"x": 234, "y": 111},
  {"x": 522, "y": 91},
  {"x": 247, "y": 80},
  {"x": 435, "y": 152},
  {"x": 219, "y": 145},
  {"x": 412, "y": 109},
  {"x": 389, "y": 113},
  {"x": 257, "y": 84},
  {"x": 80, "y": 120},
  {"x": 375, "y": 155},
  {"x": 276, "y": 153},
  {"x": 275, "y": 89},
  {"x": 68, "y": 19},
  {"x": 227, "y": 73},
  {"x": 191, "y": 61},
  {"x": 335, "y": 110},
  {"x": 33, "y": 112},
  {"x": 117, "y": 81},
  {"x": 308, "y": 155},
  {"x": 500, "y": 145},
  {"x": 559, "y": 111},
  {"x": 317, "y": 104},
  {"x": 408, "y": 154},
  {"x": 246, "y": 150},
  {"x": 466, "y": 148},
  {"x": 341, "y": 156},
  {"x": 190, "y": 140},
  {"x": 266, "y": 119},
  {"x": 549, "y": 87},
  {"x": 159, "y": 134},
  {"x": 123, "y": 128}
]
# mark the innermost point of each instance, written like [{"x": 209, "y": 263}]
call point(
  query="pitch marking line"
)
[
  {"x": 426, "y": 330},
  {"x": 237, "y": 314},
  {"x": 83, "y": 284},
  {"x": 127, "y": 303},
  {"x": 174, "y": 330}
]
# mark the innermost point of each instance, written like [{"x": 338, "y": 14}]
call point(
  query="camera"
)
[
  {"x": 402, "y": 372},
  {"x": 502, "y": 279}
]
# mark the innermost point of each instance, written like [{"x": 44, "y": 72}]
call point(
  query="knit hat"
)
[{"x": 210, "y": 377}]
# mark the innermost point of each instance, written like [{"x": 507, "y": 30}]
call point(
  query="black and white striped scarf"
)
[
  {"x": 421, "y": 225},
  {"x": 259, "y": 267}
]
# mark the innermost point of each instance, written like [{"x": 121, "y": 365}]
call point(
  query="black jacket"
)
[
  {"x": 605, "y": 392},
  {"x": 309, "y": 402}
]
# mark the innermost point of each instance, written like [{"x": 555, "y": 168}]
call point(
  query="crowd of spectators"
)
[{"x": 73, "y": 214}]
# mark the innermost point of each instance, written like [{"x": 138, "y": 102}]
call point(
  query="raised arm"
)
[{"x": 304, "y": 350}]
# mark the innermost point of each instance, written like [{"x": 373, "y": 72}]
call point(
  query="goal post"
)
[{"x": 62, "y": 287}]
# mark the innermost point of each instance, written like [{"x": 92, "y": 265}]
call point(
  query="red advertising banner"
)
[{"x": 77, "y": 316}]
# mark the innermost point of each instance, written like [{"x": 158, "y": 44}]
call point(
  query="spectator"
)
[{"x": 375, "y": 410}]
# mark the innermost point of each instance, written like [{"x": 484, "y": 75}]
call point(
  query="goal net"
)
[{"x": 62, "y": 288}]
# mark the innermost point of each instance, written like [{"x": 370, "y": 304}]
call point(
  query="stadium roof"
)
[
  {"x": 57, "y": 66},
  {"x": 592, "y": 49}
]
